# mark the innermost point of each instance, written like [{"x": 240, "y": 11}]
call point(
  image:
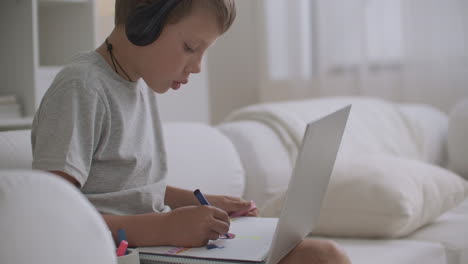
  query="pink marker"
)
[
  {"x": 122, "y": 249},
  {"x": 252, "y": 207}
]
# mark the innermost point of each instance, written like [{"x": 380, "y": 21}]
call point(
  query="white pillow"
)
[
  {"x": 458, "y": 139},
  {"x": 383, "y": 197},
  {"x": 428, "y": 126}
]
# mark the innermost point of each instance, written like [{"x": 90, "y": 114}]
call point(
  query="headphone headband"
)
[{"x": 145, "y": 23}]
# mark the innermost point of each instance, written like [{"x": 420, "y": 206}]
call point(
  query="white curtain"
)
[{"x": 402, "y": 50}]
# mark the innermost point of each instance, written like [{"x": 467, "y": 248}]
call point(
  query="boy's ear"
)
[{"x": 145, "y": 23}]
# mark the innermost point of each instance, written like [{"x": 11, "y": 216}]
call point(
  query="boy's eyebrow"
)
[
  {"x": 196, "y": 40},
  {"x": 201, "y": 42}
]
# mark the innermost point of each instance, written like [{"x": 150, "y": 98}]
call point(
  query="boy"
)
[{"x": 100, "y": 131}]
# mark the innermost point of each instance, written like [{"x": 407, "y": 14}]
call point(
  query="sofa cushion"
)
[
  {"x": 199, "y": 156},
  {"x": 46, "y": 220},
  {"x": 449, "y": 230},
  {"x": 383, "y": 197},
  {"x": 410, "y": 136},
  {"x": 267, "y": 136},
  {"x": 374, "y": 126},
  {"x": 265, "y": 159},
  {"x": 388, "y": 251}
]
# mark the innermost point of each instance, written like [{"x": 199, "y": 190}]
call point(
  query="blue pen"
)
[
  {"x": 200, "y": 197},
  {"x": 121, "y": 236}
]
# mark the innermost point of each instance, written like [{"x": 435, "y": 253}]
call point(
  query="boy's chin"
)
[{"x": 160, "y": 89}]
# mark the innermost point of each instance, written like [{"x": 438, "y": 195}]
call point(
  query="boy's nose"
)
[{"x": 195, "y": 67}]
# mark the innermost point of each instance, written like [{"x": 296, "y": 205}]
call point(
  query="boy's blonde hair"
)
[{"x": 223, "y": 10}]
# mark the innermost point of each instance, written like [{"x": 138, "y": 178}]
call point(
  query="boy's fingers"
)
[
  {"x": 253, "y": 213},
  {"x": 238, "y": 201},
  {"x": 238, "y": 207},
  {"x": 251, "y": 210},
  {"x": 220, "y": 227},
  {"x": 239, "y": 204},
  {"x": 246, "y": 203},
  {"x": 221, "y": 215},
  {"x": 213, "y": 236}
]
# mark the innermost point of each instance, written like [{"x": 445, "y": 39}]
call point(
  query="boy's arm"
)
[
  {"x": 176, "y": 198},
  {"x": 135, "y": 226},
  {"x": 141, "y": 230},
  {"x": 67, "y": 177},
  {"x": 190, "y": 226}
]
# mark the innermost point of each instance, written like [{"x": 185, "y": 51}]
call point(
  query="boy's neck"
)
[{"x": 121, "y": 50}]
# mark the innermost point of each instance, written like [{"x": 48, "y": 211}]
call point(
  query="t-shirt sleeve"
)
[{"x": 67, "y": 129}]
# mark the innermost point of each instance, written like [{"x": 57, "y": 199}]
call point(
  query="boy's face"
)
[{"x": 178, "y": 52}]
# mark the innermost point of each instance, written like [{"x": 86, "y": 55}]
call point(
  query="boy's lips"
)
[{"x": 176, "y": 84}]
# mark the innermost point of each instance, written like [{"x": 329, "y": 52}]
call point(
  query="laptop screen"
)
[{"x": 308, "y": 183}]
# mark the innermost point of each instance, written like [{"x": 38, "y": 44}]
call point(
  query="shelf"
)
[
  {"x": 38, "y": 35},
  {"x": 15, "y": 123},
  {"x": 64, "y": 1}
]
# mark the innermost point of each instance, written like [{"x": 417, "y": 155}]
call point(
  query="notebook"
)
[{"x": 268, "y": 240}]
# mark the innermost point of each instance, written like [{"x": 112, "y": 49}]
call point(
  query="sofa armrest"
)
[{"x": 47, "y": 220}]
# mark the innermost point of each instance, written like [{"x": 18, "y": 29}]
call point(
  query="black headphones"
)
[{"x": 145, "y": 23}]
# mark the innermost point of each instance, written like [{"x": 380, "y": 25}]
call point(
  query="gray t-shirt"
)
[{"x": 105, "y": 132}]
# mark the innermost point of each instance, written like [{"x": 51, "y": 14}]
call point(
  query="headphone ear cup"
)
[{"x": 145, "y": 23}]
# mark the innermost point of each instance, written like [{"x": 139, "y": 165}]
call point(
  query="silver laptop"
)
[
  {"x": 306, "y": 190},
  {"x": 310, "y": 178}
]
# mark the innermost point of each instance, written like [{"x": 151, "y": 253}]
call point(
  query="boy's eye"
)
[{"x": 188, "y": 48}]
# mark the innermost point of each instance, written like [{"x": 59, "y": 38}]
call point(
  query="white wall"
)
[
  {"x": 104, "y": 19},
  {"x": 233, "y": 65},
  {"x": 189, "y": 103}
]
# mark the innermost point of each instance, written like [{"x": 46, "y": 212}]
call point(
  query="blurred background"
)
[{"x": 400, "y": 50}]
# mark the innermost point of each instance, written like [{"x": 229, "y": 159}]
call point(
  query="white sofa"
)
[{"x": 242, "y": 158}]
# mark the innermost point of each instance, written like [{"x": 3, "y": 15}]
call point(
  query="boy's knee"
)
[
  {"x": 332, "y": 253},
  {"x": 320, "y": 252}
]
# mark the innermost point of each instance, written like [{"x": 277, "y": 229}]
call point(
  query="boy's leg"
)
[{"x": 316, "y": 252}]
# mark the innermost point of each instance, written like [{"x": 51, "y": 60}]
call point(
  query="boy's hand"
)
[
  {"x": 193, "y": 226},
  {"x": 232, "y": 205}
]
